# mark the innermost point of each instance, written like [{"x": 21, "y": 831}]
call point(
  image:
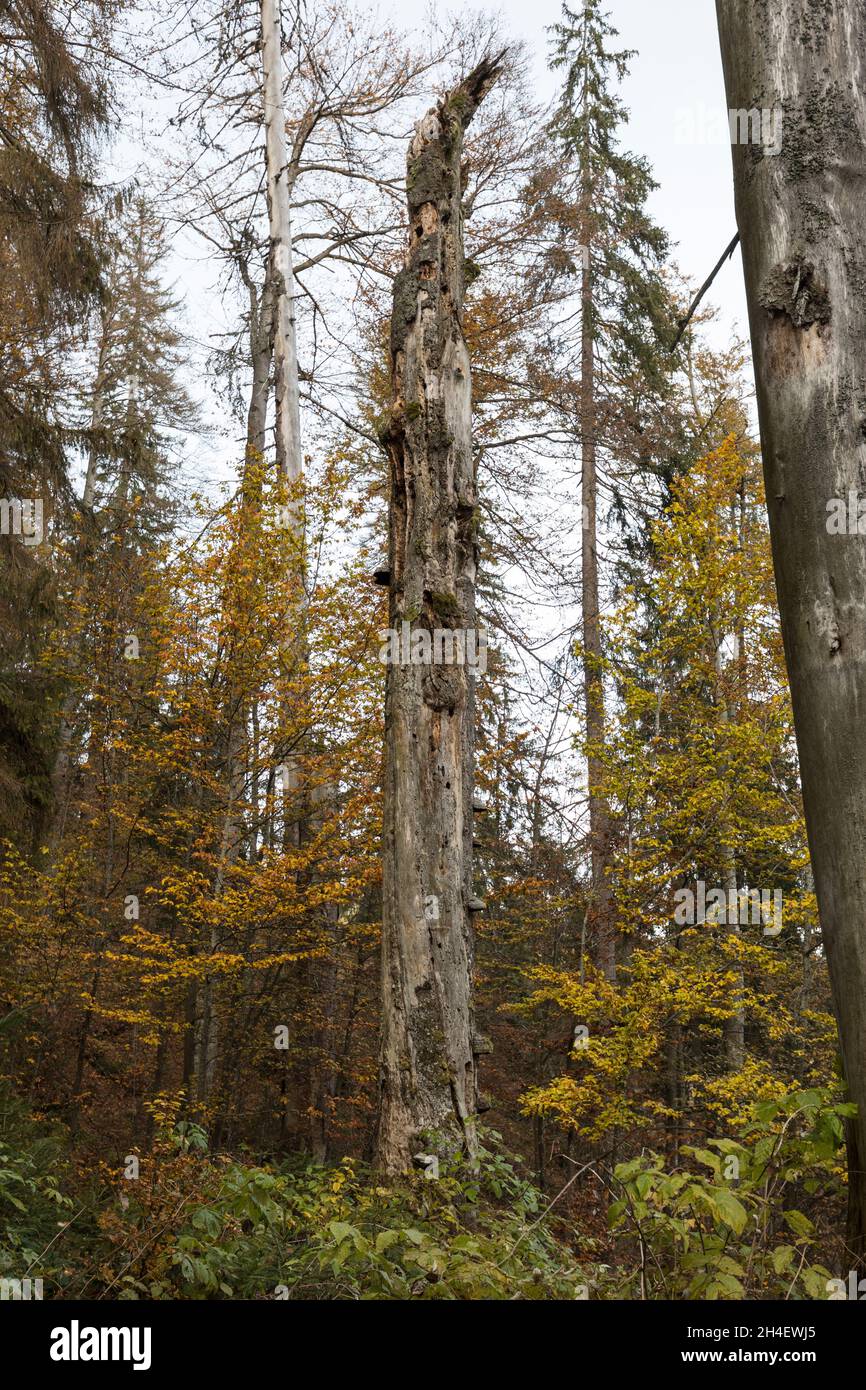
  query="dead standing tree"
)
[
  {"x": 799, "y": 201},
  {"x": 428, "y": 1051}
]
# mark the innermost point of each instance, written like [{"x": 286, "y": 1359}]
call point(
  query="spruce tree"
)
[{"x": 615, "y": 377}]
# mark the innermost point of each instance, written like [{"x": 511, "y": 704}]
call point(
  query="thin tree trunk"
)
[
  {"x": 61, "y": 774},
  {"x": 208, "y": 1041},
  {"x": 601, "y": 912},
  {"x": 427, "y": 1061},
  {"x": 280, "y": 171},
  {"x": 800, "y": 217},
  {"x": 286, "y": 384},
  {"x": 734, "y": 1028},
  {"x": 206, "y": 1048},
  {"x": 261, "y": 339},
  {"x": 735, "y": 1024}
]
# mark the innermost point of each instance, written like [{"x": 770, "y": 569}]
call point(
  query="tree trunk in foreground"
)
[
  {"x": 800, "y": 217},
  {"x": 427, "y": 1061}
]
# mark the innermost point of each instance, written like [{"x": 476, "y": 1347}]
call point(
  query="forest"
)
[{"x": 432, "y": 661}]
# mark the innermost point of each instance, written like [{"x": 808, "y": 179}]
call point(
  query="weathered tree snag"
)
[
  {"x": 427, "y": 1060},
  {"x": 286, "y": 384},
  {"x": 800, "y": 216}
]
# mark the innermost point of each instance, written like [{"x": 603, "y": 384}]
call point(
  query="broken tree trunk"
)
[
  {"x": 427, "y": 1062},
  {"x": 799, "y": 202}
]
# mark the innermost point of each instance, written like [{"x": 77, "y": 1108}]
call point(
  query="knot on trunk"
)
[
  {"x": 792, "y": 289},
  {"x": 442, "y": 688}
]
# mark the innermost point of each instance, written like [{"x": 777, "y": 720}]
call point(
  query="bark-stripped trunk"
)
[
  {"x": 286, "y": 387},
  {"x": 427, "y": 1062},
  {"x": 800, "y": 217},
  {"x": 290, "y": 463}
]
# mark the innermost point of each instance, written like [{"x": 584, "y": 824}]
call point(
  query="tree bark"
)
[
  {"x": 261, "y": 342},
  {"x": 800, "y": 216},
  {"x": 281, "y": 171},
  {"x": 734, "y": 1029},
  {"x": 601, "y": 907},
  {"x": 286, "y": 384},
  {"x": 427, "y": 1062}
]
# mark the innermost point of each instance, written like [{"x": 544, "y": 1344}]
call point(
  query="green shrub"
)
[
  {"x": 32, "y": 1206},
  {"x": 342, "y": 1233},
  {"x": 737, "y": 1232}
]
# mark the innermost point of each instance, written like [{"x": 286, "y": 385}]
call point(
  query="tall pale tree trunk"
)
[
  {"x": 428, "y": 1068},
  {"x": 286, "y": 384},
  {"x": 290, "y": 462},
  {"x": 800, "y": 217},
  {"x": 272, "y": 340}
]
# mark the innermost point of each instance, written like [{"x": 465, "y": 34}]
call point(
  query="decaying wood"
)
[
  {"x": 428, "y": 1052},
  {"x": 286, "y": 386}
]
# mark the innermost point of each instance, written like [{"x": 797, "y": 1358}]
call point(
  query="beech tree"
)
[{"x": 799, "y": 213}]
